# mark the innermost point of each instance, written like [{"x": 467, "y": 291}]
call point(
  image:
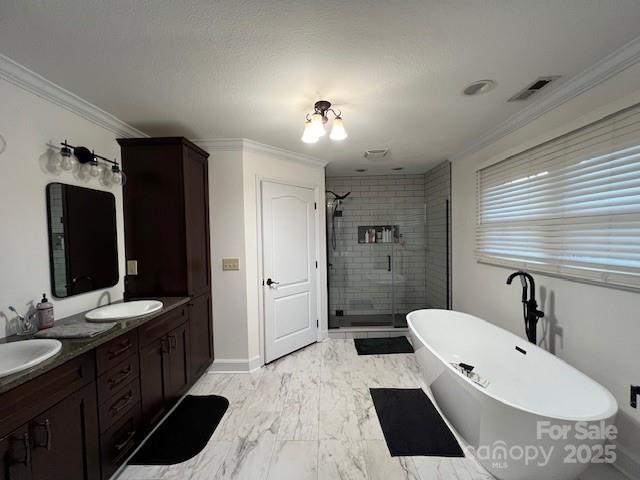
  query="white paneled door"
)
[{"x": 289, "y": 256}]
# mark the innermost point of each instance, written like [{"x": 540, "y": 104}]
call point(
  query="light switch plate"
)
[
  {"x": 132, "y": 267},
  {"x": 230, "y": 264}
]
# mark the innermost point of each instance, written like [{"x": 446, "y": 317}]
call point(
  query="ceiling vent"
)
[
  {"x": 376, "y": 153},
  {"x": 533, "y": 88}
]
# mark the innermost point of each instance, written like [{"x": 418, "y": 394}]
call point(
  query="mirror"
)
[{"x": 83, "y": 245}]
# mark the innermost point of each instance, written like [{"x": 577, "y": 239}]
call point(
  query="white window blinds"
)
[{"x": 569, "y": 207}]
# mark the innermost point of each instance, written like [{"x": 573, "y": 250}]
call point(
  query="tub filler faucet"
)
[{"x": 529, "y": 304}]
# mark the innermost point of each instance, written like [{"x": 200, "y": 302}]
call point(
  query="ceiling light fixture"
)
[
  {"x": 479, "y": 87},
  {"x": 314, "y": 125}
]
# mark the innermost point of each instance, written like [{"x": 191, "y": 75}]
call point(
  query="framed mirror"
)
[{"x": 83, "y": 243}]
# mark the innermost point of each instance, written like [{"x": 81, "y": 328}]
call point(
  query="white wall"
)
[
  {"x": 226, "y": 208},
  {"x": 594, "y": 328},
  {"x": 235, "y": 167},
  {"x": 27, "y": 124}
]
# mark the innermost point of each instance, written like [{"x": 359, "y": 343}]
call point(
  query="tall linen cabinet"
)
[{"x": 166, "y": 223}]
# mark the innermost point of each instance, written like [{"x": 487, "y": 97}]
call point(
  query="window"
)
[{"x": 569, "y": 207}]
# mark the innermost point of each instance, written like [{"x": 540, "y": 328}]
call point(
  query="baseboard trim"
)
[{"x": 235, "y": 365}]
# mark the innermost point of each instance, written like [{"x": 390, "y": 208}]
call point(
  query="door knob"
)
[{"x": 271, "y": 282}]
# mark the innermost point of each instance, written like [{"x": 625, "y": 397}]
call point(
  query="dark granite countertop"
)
[{"x": 72, "y": 348}]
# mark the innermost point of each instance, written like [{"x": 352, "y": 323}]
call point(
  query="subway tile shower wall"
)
[
  {"x": 438, "y": 196},
  {"x": 359, "y": 279}
]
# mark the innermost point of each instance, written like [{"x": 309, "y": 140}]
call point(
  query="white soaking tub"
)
[{"x": 525, "y": 413}]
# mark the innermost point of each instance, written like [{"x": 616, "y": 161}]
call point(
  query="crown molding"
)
[
  {"x": 22, "y": 77},
  {"x": 238, "y": 144},
  {"x": 608, "y": 67}
]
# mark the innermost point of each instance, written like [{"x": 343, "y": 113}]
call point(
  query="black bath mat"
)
[
  {"x": 184, "y": 433},
  {"x": 412, "y": 425},
  {"x": 382, "y": 346}
]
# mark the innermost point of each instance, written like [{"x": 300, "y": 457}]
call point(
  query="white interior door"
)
[{"x": 289, "y": 256}]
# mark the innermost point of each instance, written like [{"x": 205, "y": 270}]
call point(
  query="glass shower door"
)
[
  {"x": 360, "y": 261},
  {"x": 408, "y": 259}
]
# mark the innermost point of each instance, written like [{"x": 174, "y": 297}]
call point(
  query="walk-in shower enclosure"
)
[{"x": 388, "y": 247}]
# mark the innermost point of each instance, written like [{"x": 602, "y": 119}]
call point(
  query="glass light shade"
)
[
  {"x": 317, "y": 125},
  {"x": 117, "y": 176},
  {"x": 95, "y": 169},
  {"x": 309, "y": 136},
  {"x": 68, "y": 162},
  {"x": 337, "y": 130}
]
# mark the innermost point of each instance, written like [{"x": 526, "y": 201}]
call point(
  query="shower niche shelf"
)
[{"x": 363, "y": 231}]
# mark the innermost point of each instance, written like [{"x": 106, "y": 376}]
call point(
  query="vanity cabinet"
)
[
  {"x": 165, "y": 372},
  {"x": 64, "y": 444},
  {"x": 200, "y": 334},
  {"x": 58, "y": 434},
  {"x": 166, "y": 227}
]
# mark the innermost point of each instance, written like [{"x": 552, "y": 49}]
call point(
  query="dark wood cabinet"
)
[
  {"x": 61, "y": 441},
  {"x": 200, "y": 334},
  {"x": 166, "y": 222},
  {"x": 153, "y": 365},
  {"x": 165, "y": 370},
  {"x": 83, "y": 418},
  {"x": 178, "y": 364},
  {"x": 64, "y": 439},
  {"x": 166, "y": 216}
]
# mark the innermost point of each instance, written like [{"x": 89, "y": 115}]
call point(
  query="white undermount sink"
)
[
  {"x": 120, "y": 311},
  {"x": 24, "y": 354}
]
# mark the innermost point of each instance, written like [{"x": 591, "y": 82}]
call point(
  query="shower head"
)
[{"x": 339, "y": 197}]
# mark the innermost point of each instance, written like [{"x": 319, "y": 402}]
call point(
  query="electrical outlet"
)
[
  {"x": 132, "y": 267},
  {"x": 230, "y": 264}
]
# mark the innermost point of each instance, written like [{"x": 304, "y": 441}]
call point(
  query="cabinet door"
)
[
  {"x": 179, "y": 372},
  {"x": 196, "y": 191},
  {"x": 153, "y": 379},
  {"x": 15, "y": 455},
  {"x": 200, "y": 334},
  {"x": 64, "y": 439}
]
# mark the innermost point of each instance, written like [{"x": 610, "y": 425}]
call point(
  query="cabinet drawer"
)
[
  {"x": 120, "y": 403},
  {"x": 116, "y": 377},
  {"x": 119, "y": 441},
  {"x": 113, "y": 352},
  {"x": 157, "y": 327}
]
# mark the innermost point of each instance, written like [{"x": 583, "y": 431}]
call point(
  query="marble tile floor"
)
[{"x": 308, "y": 416}]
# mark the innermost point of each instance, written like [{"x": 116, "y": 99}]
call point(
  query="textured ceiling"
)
[{"x": 208, "y": 69}]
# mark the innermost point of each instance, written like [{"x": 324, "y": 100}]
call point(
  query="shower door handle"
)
[{"x": 389, "y": 259}]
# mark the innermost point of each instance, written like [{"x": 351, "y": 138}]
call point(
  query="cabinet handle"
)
[
  {"x": 121, "y": 403},
  {"x": 120, "y": 446},
  {"x": 120, "y": 351},
  {"x": 173, "y": 342},
  {"x": 164, "y": 345},
  {"x": 27, "y": 450},
  {"x": 125, "y": 373},
  {"x": 47, "y": 428}
]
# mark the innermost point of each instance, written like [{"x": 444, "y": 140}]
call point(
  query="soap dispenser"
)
[{"x": 45, "y": 313}]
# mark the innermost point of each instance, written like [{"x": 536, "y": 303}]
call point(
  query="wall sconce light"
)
[
  {"x": 314, "y": 125},
  {"x": 98, "y": 165}
]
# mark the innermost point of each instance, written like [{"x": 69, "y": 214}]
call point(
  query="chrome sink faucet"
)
[{"x": 24, "y": 326}]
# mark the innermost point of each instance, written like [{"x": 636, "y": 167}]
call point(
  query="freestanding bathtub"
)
[{"x": 525, "y": 413}]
